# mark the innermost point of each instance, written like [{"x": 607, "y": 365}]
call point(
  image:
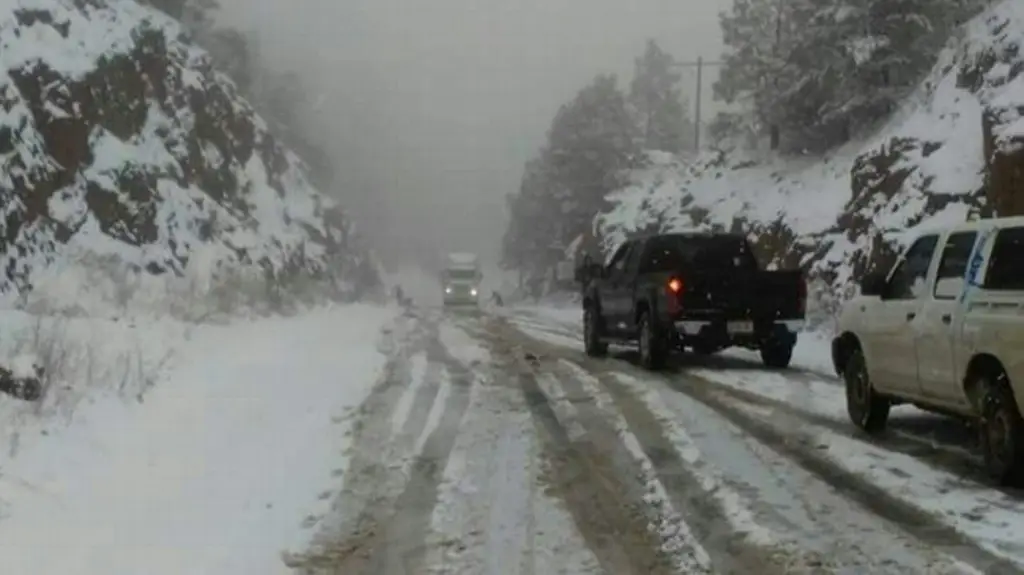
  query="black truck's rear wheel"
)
[
  {"x": 777, "y": 354},
  {"x": 653, "y": 348},
  {"x": 593, "y": 345}
]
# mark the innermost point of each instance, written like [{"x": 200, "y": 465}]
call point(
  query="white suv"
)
[{"x": 944, "y": 330}]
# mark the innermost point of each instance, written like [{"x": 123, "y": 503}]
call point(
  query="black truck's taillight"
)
[{"x": 674, "y": 289}]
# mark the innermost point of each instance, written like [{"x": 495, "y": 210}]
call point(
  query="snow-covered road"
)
[
  {"x": 362, "y": 443},
  {"x": 518, "y": 454}
]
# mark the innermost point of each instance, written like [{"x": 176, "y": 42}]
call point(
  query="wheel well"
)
[
  {"x": 983, "y": 367},
  {"x": 642, "y": 307},
  {"x": 845, "y": 345}
]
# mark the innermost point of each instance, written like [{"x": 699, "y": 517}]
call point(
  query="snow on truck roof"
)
[{"x": 460, "y": 259}]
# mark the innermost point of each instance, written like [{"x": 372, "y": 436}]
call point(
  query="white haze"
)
[{"x": 430, "y": 109}]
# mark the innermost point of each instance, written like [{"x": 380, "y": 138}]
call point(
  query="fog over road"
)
[{"x": 430, "y": 111}]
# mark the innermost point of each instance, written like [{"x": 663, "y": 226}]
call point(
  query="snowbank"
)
[
  {"x": 215, "y": 471},
  {"x": 844, "y": 214}
]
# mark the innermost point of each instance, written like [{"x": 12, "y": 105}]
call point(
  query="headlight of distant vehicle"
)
[
  {"x": 448, "y": 289},
  {"x": 472, "y": 292}
]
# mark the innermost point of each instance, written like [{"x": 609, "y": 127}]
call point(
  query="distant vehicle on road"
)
[
  {"x": 705, "y": 292},
  {"x": 461, "y": 280},
  {"x": 944, "y": 330}
]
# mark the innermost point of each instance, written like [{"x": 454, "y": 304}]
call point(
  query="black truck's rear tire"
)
[
  {"x": 777, "y": 355},
  {"x": 704, "y": 349},
  {"x": 653, "y": 348},
  {"x": 592, "y": 342}
]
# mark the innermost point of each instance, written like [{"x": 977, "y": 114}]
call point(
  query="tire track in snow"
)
[
  {"x": 913, "y": 521},
  {"x": 484, "y": 521},
  {"x": 953, "y": 460},
  {"x": 594, "y": 472},
  {"x": 497, "y": 513},
  {"x": 389, "y": 534},
  {"x": 605, "y": 427},
  {"x": 732, "y": 549},
  {"x": 379, "y": 469},
  {"x": 403, "y": 419},
  {"x": 402, "y": 547},
  {"x": 615, "y": 531}
]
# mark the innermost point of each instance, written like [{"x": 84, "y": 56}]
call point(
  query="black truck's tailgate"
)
[{"x": 744, "y": 293}]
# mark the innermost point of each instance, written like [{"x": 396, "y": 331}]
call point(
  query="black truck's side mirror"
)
[
  {"x": 589, "y": 269},
  {"x": 873, "y": 285}
]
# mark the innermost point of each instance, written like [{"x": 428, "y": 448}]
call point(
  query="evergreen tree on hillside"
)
[
  {"x": 591, "y": 146},
  {"x": 758, "y": 70},
  {"x": 656, "y": 99},
  {"x": 889, "y": 45},
  {"x": 813, "y": 72},
  {"x": 196, "y": 15},
  {"x": 532, "y": 227}
]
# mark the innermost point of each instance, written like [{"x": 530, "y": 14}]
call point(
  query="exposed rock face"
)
[
  {"x": 956, "y": 151},
  {"x": 117, "y": 138}
]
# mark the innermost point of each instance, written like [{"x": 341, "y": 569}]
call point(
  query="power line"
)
[{"x": 699, "y": 64}]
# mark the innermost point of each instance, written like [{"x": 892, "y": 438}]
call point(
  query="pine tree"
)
[
  {"x": 196, "y": 15},
  {"x": 591, "y": 144},
  {"x": 758, "y": 71},
  {"x": 890, "y": 46},
  {"x": 657, "y": 102},
  {"x": 813, "y": 72},
  {"x": 590, "y": 147}
]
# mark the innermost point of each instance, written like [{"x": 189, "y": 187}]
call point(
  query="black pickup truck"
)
[{"x": 705, "y": 292}]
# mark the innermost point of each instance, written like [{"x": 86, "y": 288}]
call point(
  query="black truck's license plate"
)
[{"x": 740, "y": 327}]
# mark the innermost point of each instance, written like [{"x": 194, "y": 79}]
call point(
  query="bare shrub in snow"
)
[
  {"x": 68, "y": 366},
  {"x": 212, "y": 288}
]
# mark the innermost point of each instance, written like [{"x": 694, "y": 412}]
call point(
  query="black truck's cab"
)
[{"x": 701, "y": 291}]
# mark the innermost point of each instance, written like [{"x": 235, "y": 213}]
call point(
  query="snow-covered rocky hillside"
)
[
  {"x": 955, "y": 149},
  {"x": 124, "y": 151}
]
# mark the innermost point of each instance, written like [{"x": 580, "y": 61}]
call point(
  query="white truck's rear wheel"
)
[
  {"x": 867, "y": 409},
  {"x": 1002, "y": 434}
]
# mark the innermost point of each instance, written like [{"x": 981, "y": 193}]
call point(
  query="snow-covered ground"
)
[
  {"x": 358, "y": 440},
  {"x": 926, "y": 166},
  {"x": 925, "y": 469},
  {"x": 210, "y": 464}
]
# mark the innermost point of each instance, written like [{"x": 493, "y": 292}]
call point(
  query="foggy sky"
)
[{"x": 430, "y": 109}]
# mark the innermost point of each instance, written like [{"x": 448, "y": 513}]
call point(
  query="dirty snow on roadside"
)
[{"x": 215, "y": 470}]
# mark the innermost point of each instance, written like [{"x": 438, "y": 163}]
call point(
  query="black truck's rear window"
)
[{"x": 672, "y": 253}]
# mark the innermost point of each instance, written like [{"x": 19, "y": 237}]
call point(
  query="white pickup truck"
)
[{"x": 944, "y": 330}]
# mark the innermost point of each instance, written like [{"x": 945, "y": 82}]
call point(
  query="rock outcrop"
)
[
  {"x": 954, "y": 152},
  {"x": 119, "y": 140}
]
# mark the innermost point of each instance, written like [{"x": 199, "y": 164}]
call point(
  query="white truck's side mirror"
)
[{"x": 949, "y": 288}]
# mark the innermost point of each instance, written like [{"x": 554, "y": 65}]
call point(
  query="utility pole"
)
[{"x": 699, "y": 64}]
